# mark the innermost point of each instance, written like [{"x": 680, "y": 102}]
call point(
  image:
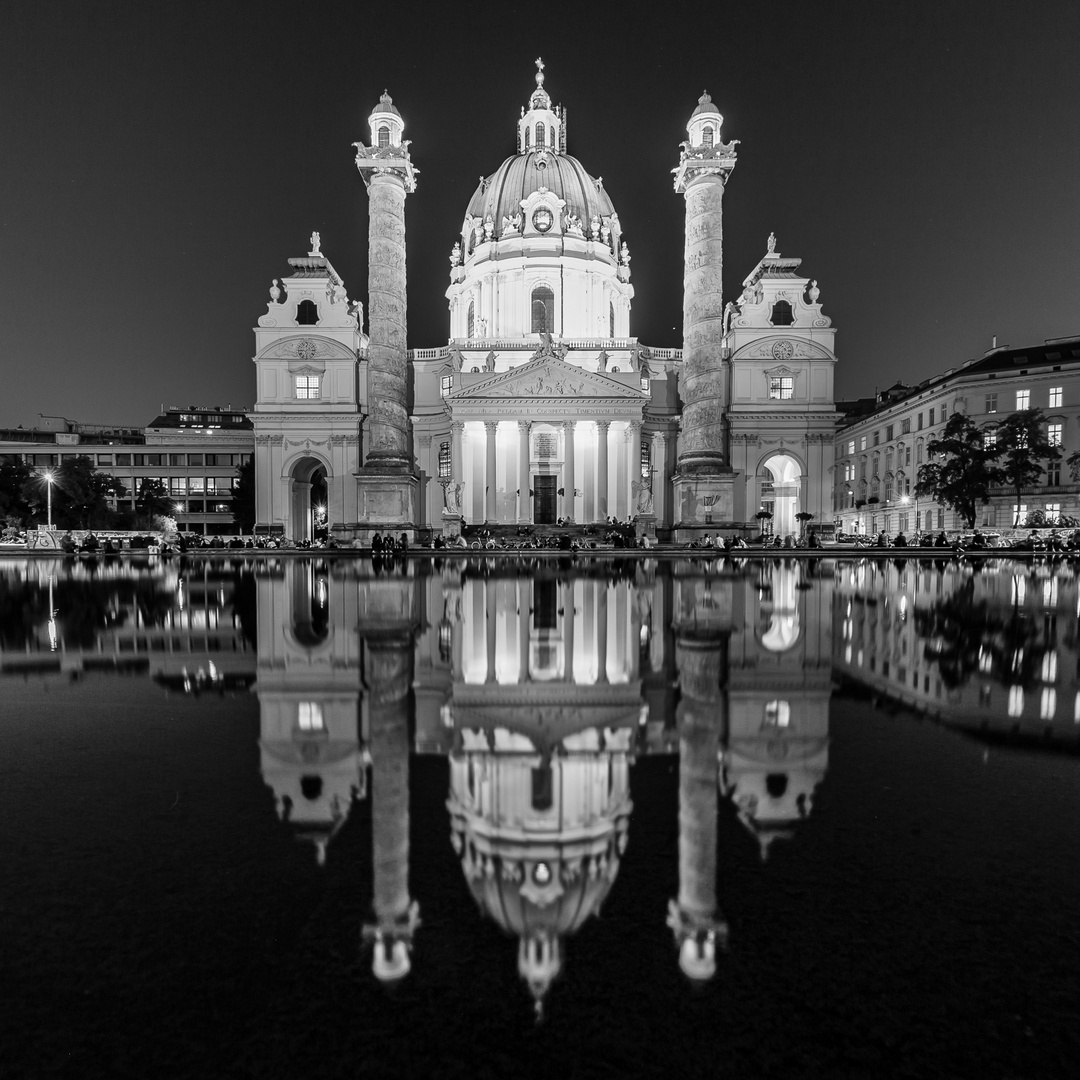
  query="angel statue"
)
[{"x": 643, "y": 494}]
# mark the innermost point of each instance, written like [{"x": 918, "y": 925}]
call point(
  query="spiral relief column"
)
[
  {"x": 702, "y": 477},
  {"x": 387, "y": 484}
]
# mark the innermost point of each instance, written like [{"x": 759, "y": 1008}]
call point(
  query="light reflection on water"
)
[{"x": 543, "y": 688}]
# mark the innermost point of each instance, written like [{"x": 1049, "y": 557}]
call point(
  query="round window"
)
[{"x": 542, "y": 219}]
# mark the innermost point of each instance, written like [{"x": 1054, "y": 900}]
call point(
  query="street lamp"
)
[
  {"x": 906, "y": 499},
  {"x": 48, "y": 477}
]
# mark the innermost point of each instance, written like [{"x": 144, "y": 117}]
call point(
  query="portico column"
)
[
  {"x": 568, "y": 470},
  {"x": 658, "y": 464},
  {"x": 457, "y": 455},
  {"x": 491, "y": 427},
  {"x": 602, "y": 429},
  {"x": 633, "y": 455},
  {"x": 524, "y": 472}
]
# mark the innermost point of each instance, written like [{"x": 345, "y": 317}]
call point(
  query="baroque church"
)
[{"x": 543, "y": 406}]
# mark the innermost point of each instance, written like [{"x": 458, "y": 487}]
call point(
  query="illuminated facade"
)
[{"x": 542, "y": 406}]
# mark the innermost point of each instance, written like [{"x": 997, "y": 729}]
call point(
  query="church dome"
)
[
  {"x": 705, "y": 105},
  {"x": 518, "y": 177}
]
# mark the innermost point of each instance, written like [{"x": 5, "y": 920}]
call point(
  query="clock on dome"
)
[{"x": 542, "y": 219}]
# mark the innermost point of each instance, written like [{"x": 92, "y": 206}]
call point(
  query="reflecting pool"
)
[{"x": 284, "y": 816}]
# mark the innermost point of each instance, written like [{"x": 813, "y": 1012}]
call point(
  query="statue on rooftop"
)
[{"x": 315, "y": 242}]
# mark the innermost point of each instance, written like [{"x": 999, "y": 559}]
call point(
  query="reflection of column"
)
[
  {"x": 658, "y": 463},
  {"x": 568, "y": 470},
  {"x": 524, "y": 473},
  {"x": 490, "y": 614},
  {"x": 701, "y": 716},
  {"x": 388, "y": 677},
  {"x": 568, "y": 630},
  {"x": 492, "y": 428},
  {"x": 602, "y": 428},
  {"x": 633, "y": 456},
  {"x": 523, "y": 629},
  {"x": 601, "y": 631}
]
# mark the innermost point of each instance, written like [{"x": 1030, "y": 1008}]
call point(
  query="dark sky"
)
[{"x": 161, "y": 163}]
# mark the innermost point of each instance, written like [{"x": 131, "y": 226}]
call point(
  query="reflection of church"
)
[
  {"x": 542, "y": 691},
  {"x": 542, "y": 405}
]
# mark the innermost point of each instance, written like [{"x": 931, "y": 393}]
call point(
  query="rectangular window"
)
[
  {"x": 888, "y": 491},
  {"x": 177, "y": 459},
  {"x": 889, "y": 432},
  {"x": 646, "y": 458},
  {"x": 104, "y": 459},
  {"x": 989, "y": 439},
  {"x": 1055, "y": 397},
  {"x": 445, "y": 461},
  {"x": 446, "y": 385},
  {"x": 195, "y": 459},
  {"x": 222, "y": 508},
  {"x": 155, "y": 459},
  {"x": 877, "y": 438},
  {"x": 196, "y": 485},
  {"x": 905, "y": 427},
  {"x": 991, "y": 402},
  {"x": 646, "y": 383},
  {"x": 138, "y": 460},
  {"x": 944, "y": 413},
  {"x": 782, "y": 388},
  {"x": 930, "y": 421},
  {"x": 907, "y": 455},
  {"x": 1053, "y": 473},
  {"x": 919, "y": 422},
  {"x": 307, "y": 387},
  {"x": 851, "y": 446},
  {"x": 1023, "y": 400},
  {"x": 1053, "y": 434},
  {"x": 123, "y": 459},
  {"x": 1053, "y": 510},
  {"x": 310, "y": 716},
  {"x": 177, "y": 485},
  {"x": 862, "y": 443}
]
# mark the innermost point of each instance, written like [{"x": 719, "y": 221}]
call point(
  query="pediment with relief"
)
[{"x": 548, "y": 378}]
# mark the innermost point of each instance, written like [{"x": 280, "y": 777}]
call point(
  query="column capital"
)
[
  {"x": 457, "y": 426},
  {"x": 603, "y": 425},
  {"x": 568, "y": 425},
  {"x": 491, "y": 425},
  {"x": 524, "y": 426}
]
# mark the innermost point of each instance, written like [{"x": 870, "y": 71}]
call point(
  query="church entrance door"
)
[{"x": 544, "y": 499}]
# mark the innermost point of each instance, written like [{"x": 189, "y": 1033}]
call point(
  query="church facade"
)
[{"x": 542, "y": 407}]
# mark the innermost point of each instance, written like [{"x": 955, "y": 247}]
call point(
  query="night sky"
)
[{"x": 162, "y": 162}]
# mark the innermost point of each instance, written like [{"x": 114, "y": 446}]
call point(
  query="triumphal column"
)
[
  {"x": 703, "y": 481},
  {"x": 387, "y": 483}
]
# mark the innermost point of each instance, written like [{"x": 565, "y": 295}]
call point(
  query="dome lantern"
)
[
  {"x": 705, "y": 123},
  {"x": 542, "y": 126}
]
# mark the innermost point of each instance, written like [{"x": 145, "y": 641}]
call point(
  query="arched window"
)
[
  {"x": 543, "y": 310},
  {"x": 384, "y": 136},
  {"x": 708, "y": 136},
  {"x": 541, "y": 132},
  {"x": 782, "y": 314},
  {"x": 470, "y": 323},
  {"x": 551, "y": 139},
  {"x": 307, "y": 314},
  {"x": 445, "y": 461},
  {"x": 611, "y": 320},
  {"x": 526, "y": 140}
]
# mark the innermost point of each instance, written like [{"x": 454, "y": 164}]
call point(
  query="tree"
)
[
  {"x": 964, "y": 470},
  {"x": 80, "y": 494},
  {"x": 1025, "y": 448},
  {"x": 243, "y": 502},
  {"x": 14, "y": 477},
  {"x": 152, "y": 500}
]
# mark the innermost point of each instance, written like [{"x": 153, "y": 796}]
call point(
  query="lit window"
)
[
  {"x": 384, "y": 136},
  {"x": 541, "y": 136},
  {"x": 782, "y": 388},
  {"x": 990, "y": 438},
  {"x": 310, "y": 716},
  {"x": 1023, "y": 399},
  {"x": 1016, "y": 700},
  {"x": 708, "y": 136},
  {"x": 646, "y": 458},
  {"x": 1055, "y": 397},
  {"x": 991, "y": 402},
  {"x": 1050, "y": 598},
  {"x": 446, "y": 385},
  {"x": 851, "y": 446},
  {"x": 862, "y": 442},
  {"x": 307, "y": 387},
  {"x": 1053, "y": 434},
  {"x": 777, "y": 714},
  {"x": 1049, "y": 667},
  {"x": 645, "y": 384},
  {"x": 445, "y": 461}
]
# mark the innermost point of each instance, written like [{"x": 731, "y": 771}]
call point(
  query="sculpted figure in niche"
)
[
  {"x": 643, "y": 495},
  {"x": 453, "y": 492}
]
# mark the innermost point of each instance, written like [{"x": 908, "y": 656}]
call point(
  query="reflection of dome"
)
[
  {"x": 519, "y": 176},
  {"x": 540, "y": 841}
]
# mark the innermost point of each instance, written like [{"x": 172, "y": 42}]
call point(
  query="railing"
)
[{"x": 520, "y": 345}]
